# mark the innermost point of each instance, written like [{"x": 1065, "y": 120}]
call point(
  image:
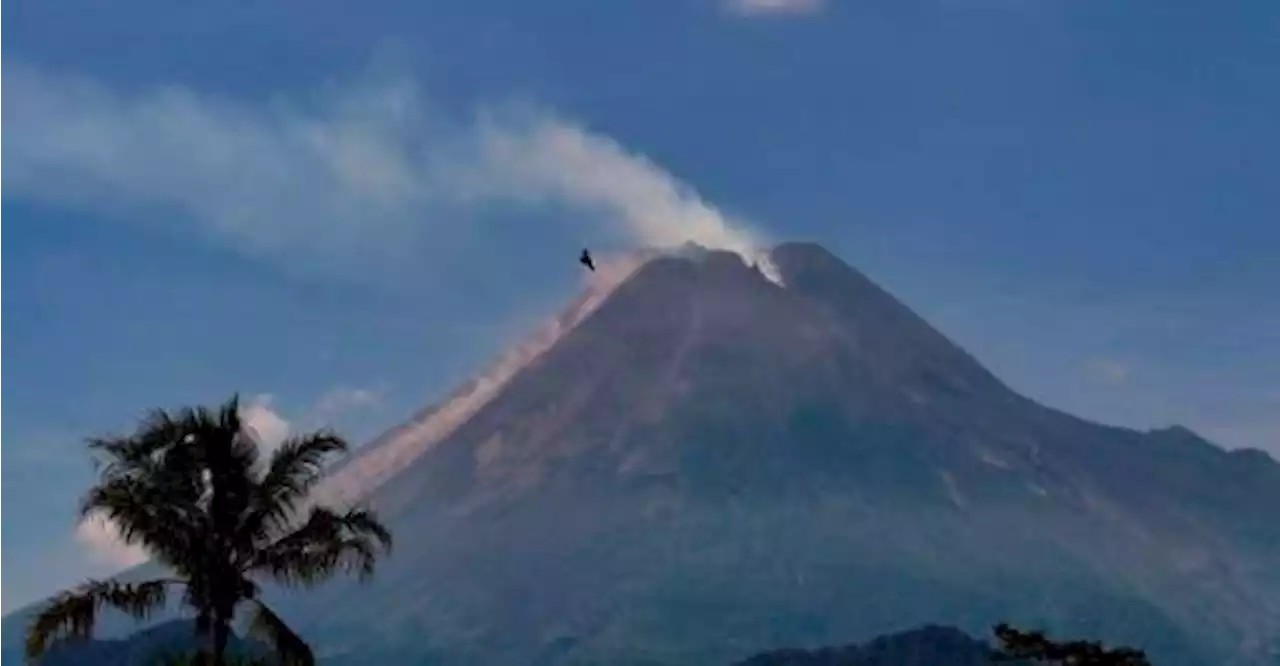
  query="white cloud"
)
[
  {"x": 340, "y": 400},
  {"x": 105, "y": 549},
  {"x": 358, "y": 179},
  {"x": 271, "y": 428},
  {"x": 1109, "y": 370},
  {"x": 755, "y": 8}
]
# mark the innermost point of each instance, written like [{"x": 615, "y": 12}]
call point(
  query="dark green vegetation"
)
[
  {"x": 946, "y": 646},
  {"x": 1034, "y": 646},
  {"x": 191, "y": 488},
  {"x": 710, "y": 465}
]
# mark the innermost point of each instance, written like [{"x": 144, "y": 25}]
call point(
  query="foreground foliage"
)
[
  {"x": 1034, "y": 645},
  {"x": 191, "y": 488}
]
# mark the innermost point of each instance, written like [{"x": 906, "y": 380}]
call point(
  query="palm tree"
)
[{"x": 190, "y": 488}]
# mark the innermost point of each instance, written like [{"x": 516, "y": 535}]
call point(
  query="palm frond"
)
[
  {"x": 180, "y": 485},
  {"x": 71, "y": 615},
  {"x": 157, "y": 434},
  {"x": 159, "y": 458},
  {"x": 289, "y": 648},
  {"x": 223, "y": 441},
  {"x": 299, "y": 463},
  {"x": 157, "y": 512},
  {"x": 326, "y": 543},
  {"x": 294, "y": 469},
  {"x": 241, "y": 445}
]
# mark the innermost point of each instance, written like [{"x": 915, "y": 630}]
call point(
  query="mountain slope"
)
[
  {"x": 712, "y": 463},
  {"x": 708, "y": 463}
]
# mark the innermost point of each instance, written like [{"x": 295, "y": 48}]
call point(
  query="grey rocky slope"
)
[{"x": 706, "y": 464}]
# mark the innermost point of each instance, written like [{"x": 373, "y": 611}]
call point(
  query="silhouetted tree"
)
[
  {"x": 1034, "y": 645},
  {"x": 191, "y": 489}
]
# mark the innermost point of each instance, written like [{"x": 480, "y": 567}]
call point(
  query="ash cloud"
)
[{"x": 350, "y": 180}]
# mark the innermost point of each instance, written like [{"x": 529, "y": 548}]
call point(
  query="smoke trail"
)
[{"x": 351, "y": 179}]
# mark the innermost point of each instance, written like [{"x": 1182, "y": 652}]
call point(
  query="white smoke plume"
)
[
  {"x": 553, "y": 159},
  {"x": 358, "y": 178}
]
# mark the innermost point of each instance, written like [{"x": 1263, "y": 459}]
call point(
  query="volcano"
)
[{"x": 707, "y": 457}]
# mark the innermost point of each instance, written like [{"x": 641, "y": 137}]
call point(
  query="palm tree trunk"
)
[
  {"x": 221, "y": 634},
  {"x": 204, "y": 643}
]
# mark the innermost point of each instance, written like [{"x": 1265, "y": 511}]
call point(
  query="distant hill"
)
[
  {"x": 930, "y": 645},
  {"x": 144, "y": 648}
]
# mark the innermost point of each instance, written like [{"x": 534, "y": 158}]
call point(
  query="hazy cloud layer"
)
[
  {"x": 1109, "y": 370},
  {"x": 763, "y": 8},
  {"x": 353, "y": 179},
  {"x": 341, "y": 400}
]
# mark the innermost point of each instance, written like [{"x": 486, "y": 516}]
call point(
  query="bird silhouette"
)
[{"x": 586, "y": 260}]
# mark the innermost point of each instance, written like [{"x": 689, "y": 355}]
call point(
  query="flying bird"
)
[{"x": 586, "y": 260}]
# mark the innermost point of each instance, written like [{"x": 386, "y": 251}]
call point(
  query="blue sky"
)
[{"x": 341, "y": 212}]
